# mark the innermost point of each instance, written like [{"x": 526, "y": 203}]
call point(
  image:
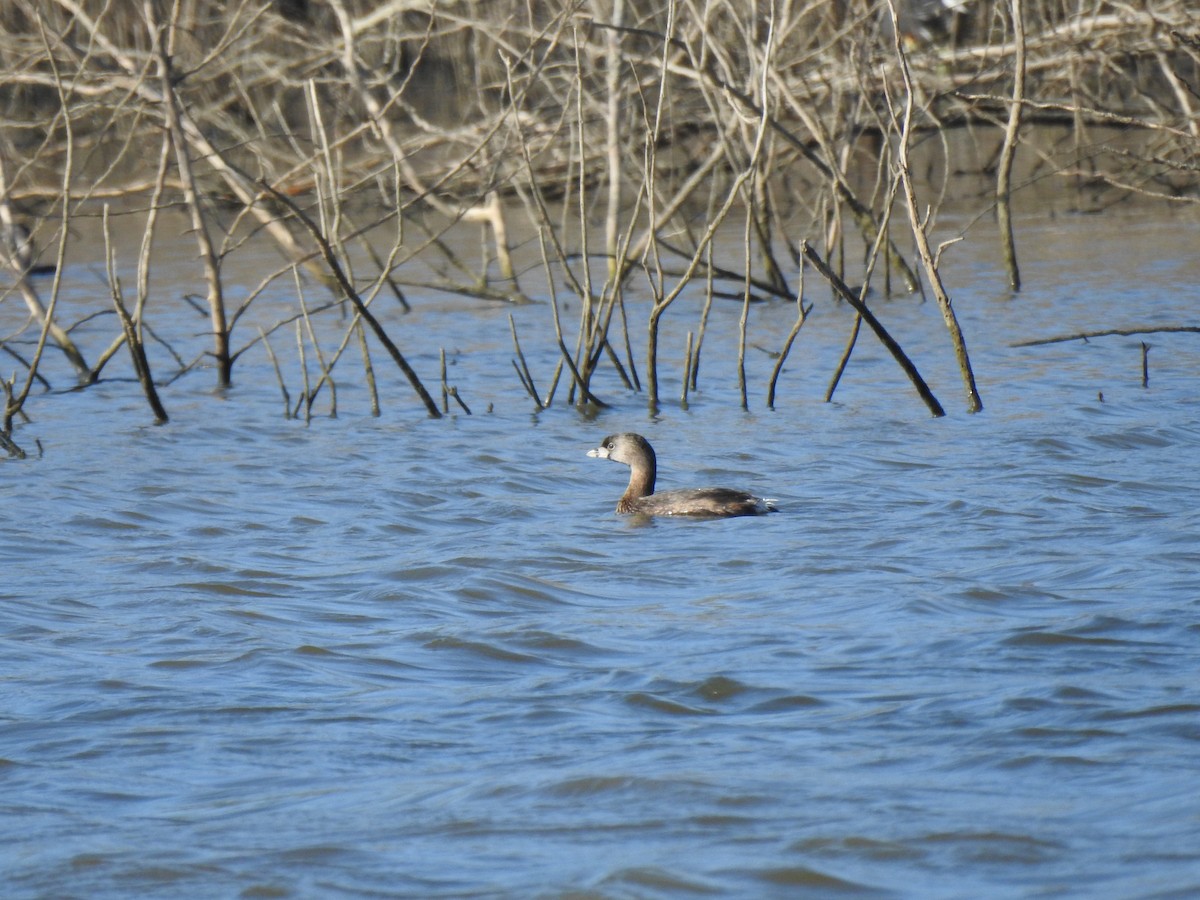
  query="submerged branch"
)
[{"x": 1109, "y": 332}]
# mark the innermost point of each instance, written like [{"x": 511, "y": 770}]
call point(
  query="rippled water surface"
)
[{"x": 245, "y": 656}]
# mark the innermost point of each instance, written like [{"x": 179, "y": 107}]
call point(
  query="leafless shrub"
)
[{"x": 627, "y": 131}]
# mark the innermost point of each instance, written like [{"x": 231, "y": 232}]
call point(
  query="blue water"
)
[{"x": 246, "y": 656}]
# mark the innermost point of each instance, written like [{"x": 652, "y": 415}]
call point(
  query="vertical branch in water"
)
[
  {"x": 687, "y": 369},
  {"x": 1009, "y": 149},
  {"x": 523, "y": 372},
  {"x": 612, "y": 73},
  {"x": 326, "y": 368},
  {"x": 552, "y": 289},
  {"x": 657, "y": 279},
  {"x": 162, "y": 39},
  {"x": 748, "y": 261},
  {"x": 133, "y": 340},
  {"x": 368, "y": 368},
  {"x": 757, "y": 209},
  {"x": 564, "y": 354},
  {"x": 287, "y": 400},
  {"x": 840, "y": 369},
  {"x": 709, "y": 287},
  {"x": 589, "y": 319},
  {"x": 306, "y": 396},
  {"x": 801, "y": 316},
  {"x": 449, "y": 390},
  {"x": 974, "y": 403},
  {"x": 445, "y": 386}
]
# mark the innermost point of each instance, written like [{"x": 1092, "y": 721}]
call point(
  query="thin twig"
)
[
  {"x": 287, "y": 400},
  {"x": 133, "y": 340}
]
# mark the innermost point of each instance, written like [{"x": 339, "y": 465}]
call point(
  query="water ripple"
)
[{"x": 391, "y": 657}]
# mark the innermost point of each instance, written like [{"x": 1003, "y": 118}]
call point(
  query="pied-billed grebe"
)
[{"x": 635, "y": 451}]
